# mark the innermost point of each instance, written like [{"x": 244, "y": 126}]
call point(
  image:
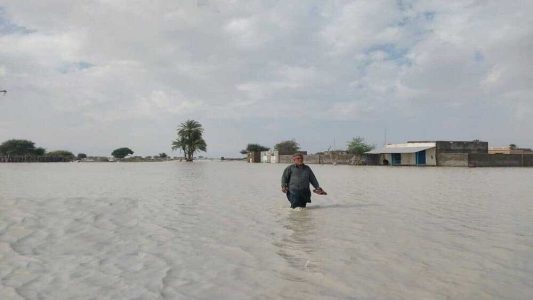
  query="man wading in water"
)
[{"x": 295, "y": 182}]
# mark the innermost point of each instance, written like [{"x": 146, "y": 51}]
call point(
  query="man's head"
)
[{"x": 298, "y": 159}]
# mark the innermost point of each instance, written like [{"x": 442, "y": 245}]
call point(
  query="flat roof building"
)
[{"x": 427, "y": 153}]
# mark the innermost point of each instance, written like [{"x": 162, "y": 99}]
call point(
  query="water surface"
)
[{"x": 223, "y": 230}]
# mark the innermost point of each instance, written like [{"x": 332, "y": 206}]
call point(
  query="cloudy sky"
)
[{"x": 94, "y": 75}]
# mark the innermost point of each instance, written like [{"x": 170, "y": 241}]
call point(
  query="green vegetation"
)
[
  {"x": 254, "y": 148},
  {"x": 513, "y": 147},
  {"x": 20, "y": 150},
  {"x": 39, "y": 151},
  {"x": 67, "y": 155},
  {"x": 358, "y": 146},
  {"x": 287, "y": 147},
  {"x": 20, "y": 147},
  {"x": 121, "y": 152},
  {"x": 25, "y": 151},
  {"x": 189, "y": 139}
]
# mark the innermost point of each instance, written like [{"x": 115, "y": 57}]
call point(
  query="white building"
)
[
  {"x": 269, "y": 156},
  {"x": 407, "y": 154}
]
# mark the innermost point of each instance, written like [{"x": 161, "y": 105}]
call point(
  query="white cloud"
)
[{"x": 361, "y": 24}]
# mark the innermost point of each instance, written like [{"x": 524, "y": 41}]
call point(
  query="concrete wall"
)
[
  {"x": 452, "y": 159},
  {"x": 408, "y": 159},
  {"x": 341, "y": 159},
  {"x": 508, "y": 150},
  {"x": 442, "y": 159},
  {"x": 254, "y": 157},
  {"x": 431, "y": 157},
  {"x": 311, "y": 159},
  {"x": 500, "y": 160},
  {"x": 528, "y": 160},
  {"x": 266, "y": 156},
  {"x": 285, "y": 159},
  {"x": 462, "y": 147},
  {"x": 372, "y": 159}
]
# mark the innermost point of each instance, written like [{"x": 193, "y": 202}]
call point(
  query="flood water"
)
[{"x": 223, "y": 230}]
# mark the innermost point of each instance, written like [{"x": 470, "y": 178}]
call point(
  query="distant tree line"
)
[
  {"x": 20, "y": 150},
  {"x": 25, "y": 150},
  {"x": 356, "y": 146}
]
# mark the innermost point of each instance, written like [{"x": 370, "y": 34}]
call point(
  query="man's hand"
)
[
  {"x": 285, "y": 190},
  {"x": 319, "y": 191}
]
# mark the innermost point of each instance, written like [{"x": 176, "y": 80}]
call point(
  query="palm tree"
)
[{"x": 189, "y": 139}]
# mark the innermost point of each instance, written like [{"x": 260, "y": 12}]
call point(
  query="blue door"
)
[
  {"x": 421, "y": 157},
  {"x": 396, "y": 159}
]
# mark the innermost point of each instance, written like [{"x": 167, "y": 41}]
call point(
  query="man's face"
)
[{"x": 298, "y": 160}]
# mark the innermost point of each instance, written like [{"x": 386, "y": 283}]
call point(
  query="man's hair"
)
[{"x": 298, "y": 154}]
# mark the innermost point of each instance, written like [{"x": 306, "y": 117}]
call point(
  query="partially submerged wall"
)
[
  {"x": 254, "y": 157},
  {"x": 285, "y": 159},
  {"x": 341, "y": 159},
  {"x": 443, "y": 159},
  {"x": 452, "y": 159},
  {"x": 500, "y": 160},
  {"x": 408, "y": 159},
  {"x": 462, "y": 147}
]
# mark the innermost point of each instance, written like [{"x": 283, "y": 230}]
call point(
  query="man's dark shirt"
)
[{"x": 298, "y": 178}]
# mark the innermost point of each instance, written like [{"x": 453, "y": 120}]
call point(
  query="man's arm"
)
[
  {"x": 313, "y": 180},
  {"x": 285, "y": 179}
]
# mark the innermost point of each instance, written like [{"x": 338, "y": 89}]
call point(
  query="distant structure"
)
[
  {"x": 3, "y": 91},
  {"x": 253, "y": 157},
  {"x": 474, "y": 153},
  {"x": 447, "y": 154},
  {"x": 407, "y": 154},
  {"x": 274, "y": 156},
  {"x": 427, "y": 153},
  {"x": 509, "y": 150}
]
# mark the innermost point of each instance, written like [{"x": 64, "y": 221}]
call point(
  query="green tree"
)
[
  {"x": 121, "y": 152},
  {"x": 189, "y": 139},
  {"x": 39, "y": 151},
  {"x": 243, "y": 151},
  {"x": 358, "y": 146},
  {"x": 512, "y": 146},
  {"x": 61, "y": 153},
  {"x": 254, "y": 148},
  {"x": 20, "y": 147},
  {"x": 287, "y": 147},
  {"x": 82, "y": 155},
  {"x": 163, "y": 155}
]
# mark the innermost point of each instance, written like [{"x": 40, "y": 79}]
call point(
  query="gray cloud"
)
[{"x": 95, "y": 75}]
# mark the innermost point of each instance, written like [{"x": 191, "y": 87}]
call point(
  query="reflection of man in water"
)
[{"x": 295, "y": 182}]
